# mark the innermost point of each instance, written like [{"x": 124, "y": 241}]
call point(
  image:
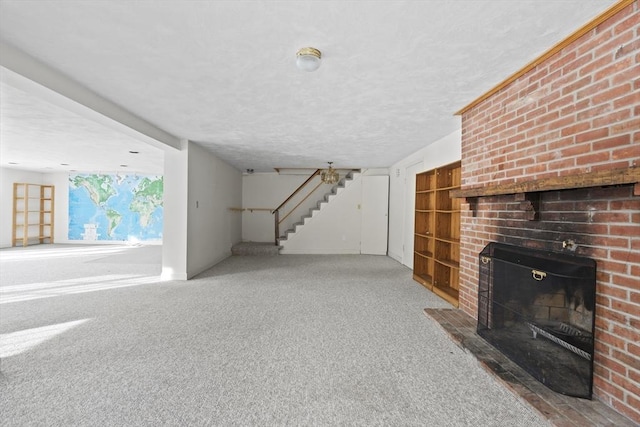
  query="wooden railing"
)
[
  {"x": 276, "y": 211},
  {"x": 251, "y": 209}
]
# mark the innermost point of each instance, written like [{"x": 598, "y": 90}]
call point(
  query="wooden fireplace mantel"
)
[{"x": 590, "y": 179}]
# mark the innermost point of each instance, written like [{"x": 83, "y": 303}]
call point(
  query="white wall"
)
[
  {"x": 212, "y": 227},
  {"x": 376, "y": 172},
  {"x": 7, "y": 178},
  {"x": 199, "y": 226},
  {"x": 441, "y": 152},
  {"x": 335, "y": 229},
  {"x": 264, "y": 190},
  {"x": 61, "y": 227},
  {"x": 176, "y": 203}
]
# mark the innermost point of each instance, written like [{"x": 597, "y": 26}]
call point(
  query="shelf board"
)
[
  {"x": 426, "y": 236},
  {"x": 424, "y": 254},
  {"x": 423, "y": 279},
  {"x": 448, "y": 239},
  {"x": 448, "y": 263}
]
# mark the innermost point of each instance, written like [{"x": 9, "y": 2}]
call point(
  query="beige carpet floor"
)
[{"x": 90, "y": 337}]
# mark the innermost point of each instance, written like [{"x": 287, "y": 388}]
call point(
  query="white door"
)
[
  {"x": 409, "y": 207},
  {"x": 375, "y": 215}
]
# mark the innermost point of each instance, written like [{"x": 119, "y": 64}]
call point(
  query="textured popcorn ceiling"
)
[
  {"x": 42, "y": 136},
  {"x": 222, "y": 74}
]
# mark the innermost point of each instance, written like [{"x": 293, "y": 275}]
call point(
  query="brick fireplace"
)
[{"x": 551, "y": 160}]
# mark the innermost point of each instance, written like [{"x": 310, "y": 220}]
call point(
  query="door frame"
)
[{"x": 408, "y": 219}]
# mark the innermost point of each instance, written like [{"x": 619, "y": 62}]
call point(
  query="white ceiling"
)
[
  {"x": 41, "y": 136},
  {"x": 222, "y": 74}
]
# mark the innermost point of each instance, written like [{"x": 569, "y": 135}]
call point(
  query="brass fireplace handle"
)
[{"x": 538, "y": 275}]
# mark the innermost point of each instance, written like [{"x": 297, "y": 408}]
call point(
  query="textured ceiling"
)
[
  {"x": 222, "y": 73},
  {"x": 40, "y": 135}
]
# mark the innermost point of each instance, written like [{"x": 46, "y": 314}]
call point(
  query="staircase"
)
[
  {"x": 304, "y": 221},
  {"x": 327, "y": 225}
]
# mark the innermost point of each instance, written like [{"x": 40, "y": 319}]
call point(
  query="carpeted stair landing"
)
[{"x": 255, "y": 248}]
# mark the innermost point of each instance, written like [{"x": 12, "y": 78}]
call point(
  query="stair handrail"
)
[
  {"x": 276, "y": 211},
  {"x": 301, "y": 202},
  {"x": 297, "y": 190}
]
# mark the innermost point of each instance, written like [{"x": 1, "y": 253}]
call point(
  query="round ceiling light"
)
[{"x": 308, "y": 59}]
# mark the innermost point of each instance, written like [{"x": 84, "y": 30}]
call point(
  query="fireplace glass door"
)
[{"x": 538, "y": 309}]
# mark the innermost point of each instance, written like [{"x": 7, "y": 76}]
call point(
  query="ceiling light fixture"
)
[
  {"x": 329, "y": 176},
  {"x": 308, "y": 59}
]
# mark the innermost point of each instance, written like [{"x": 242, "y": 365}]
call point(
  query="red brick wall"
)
[{"x": 576, "y": 112}]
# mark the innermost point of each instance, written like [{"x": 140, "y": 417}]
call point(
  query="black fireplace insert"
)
[{"x": 538, "y": 308}]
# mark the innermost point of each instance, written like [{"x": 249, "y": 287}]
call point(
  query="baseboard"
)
[
  {"x": 397, "y": 257},
  {"x": 218, "y": 260},
  {"x": 168, "y": 276},
  {"x": 318, "y": 252}
]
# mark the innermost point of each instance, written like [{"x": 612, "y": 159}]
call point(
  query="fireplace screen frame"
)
[{"x": 538, "y": 308}]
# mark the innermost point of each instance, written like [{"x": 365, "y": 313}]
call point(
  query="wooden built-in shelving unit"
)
[
  {"x": 436, "y": 261},
  {"x": 33, "y": 214}
]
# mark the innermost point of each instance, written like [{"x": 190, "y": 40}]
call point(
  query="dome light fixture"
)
[{"x": 308, "y": 59}]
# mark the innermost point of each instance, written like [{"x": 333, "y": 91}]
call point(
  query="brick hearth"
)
[{"x": 560, "y": 410}]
